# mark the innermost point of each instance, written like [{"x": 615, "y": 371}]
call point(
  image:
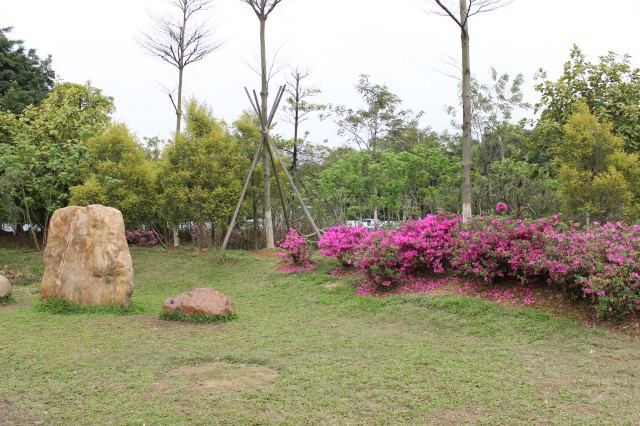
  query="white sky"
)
[{"x": 394, "y": 41}]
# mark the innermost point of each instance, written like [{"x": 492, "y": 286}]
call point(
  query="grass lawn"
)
[{"x": 300, "y": 353}]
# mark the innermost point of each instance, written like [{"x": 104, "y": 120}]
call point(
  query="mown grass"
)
[
  {"x": 197, "y": 318},
  {"x": 340, "y": 358}
]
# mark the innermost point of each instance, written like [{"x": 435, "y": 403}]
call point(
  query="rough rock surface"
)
[
  {"x": 87, "y": 259},
  {"x": 200, "y": 301},
  {"x": 5, "y": 287}
]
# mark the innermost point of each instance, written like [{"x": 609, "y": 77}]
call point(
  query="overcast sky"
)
[{"x": 396, "y": 42}]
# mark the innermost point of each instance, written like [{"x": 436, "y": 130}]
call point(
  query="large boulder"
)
[
  {"x": 200, "y": 301},
  {"x": 87, "y": 259},
  {"x": 5, "y": 287}
]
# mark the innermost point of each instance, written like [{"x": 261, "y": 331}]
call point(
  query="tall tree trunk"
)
[
  {"x": 176, "y": 236},
  {"x": 179, "y": 104},
  {"x": 296, "y": 122},
  {"x": 466, "y": 116},
  {"x": 264, "y": 94}
]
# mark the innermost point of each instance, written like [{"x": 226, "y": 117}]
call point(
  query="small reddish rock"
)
[{"x": 200, "y": 301}]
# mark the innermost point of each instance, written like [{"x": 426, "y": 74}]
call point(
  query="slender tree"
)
[
  {"x": 180, "y": 40},
  {"x": 262, "y": 9},
  {"x": 298, "y": 107},
  {"x": 467, "y": 8}
]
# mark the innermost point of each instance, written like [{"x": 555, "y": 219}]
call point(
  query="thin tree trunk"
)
[
  {"x": 179, "y": 106},
  {"x": 466, "y": 117},
  {"x": 33, "y": 233},
  {"x": 264, "y": 94},
  {"x": 294, "y": 162},
  {"x": 176, "y": 237}
]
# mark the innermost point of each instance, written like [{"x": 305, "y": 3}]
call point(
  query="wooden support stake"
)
[
  {"x": 244, "y": 190},
  {"x": 295, "y": 189},
  {"x": 265, "y": 123},
  {"x": 275, "y": 172}
]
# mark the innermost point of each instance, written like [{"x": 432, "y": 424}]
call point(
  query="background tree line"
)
[{"x": 578, "y": 156}]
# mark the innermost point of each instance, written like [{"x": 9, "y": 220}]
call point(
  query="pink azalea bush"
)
[
  {"x": 342, "y": 242},
  {"x": 141, "y": 237},
  {"x": 387, "y": 257},
  {"x": 296, "y": 251},
  {"x": 600, "y": 264}
]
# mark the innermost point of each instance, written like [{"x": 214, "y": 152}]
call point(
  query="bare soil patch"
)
[
  {"x": 12, "y": 307},
  {"x": 218, "y": 375},
  {"x": 7, "y": 239},
  {"x": 10, "y": 417},
  {"x": 333, "y": 285},
  {"x": 266, "y": 253},
  {"x": 459, "y": 415}
]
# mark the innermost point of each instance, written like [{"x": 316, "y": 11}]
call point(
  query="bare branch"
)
[
  {"x": 447, "y": 12},
  {"x": 450, "y": 62},
  {"x": 474, "y": 7},
  {"x": 262, "y": 8},
  {"x": 274, "y": 67},
  {"x": 178, "y": 41},
  {"x": 486, "y": 6}
]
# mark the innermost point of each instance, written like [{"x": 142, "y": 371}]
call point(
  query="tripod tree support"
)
[{"x": 265, "y": 123}]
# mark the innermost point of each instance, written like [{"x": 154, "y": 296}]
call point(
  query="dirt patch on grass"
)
[
  {"x": 10, "y": 417},
  {"x": 218, "y": 375},
  {"x": 333, "y": 285},
  {"x": 11, "y": 307},
  {"x": 7, "y": 239},
  {"x": 266, "y": 253},
  {"x": 458, "y": 415}
]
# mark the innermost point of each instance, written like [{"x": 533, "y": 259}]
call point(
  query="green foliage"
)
[
  {"x": 381, "y": 124},
  {"x": 610, "y": 89},
  {"x": 197, "y": 318},
  {"x": 200, "y": 176},
  {"x": 63, "y": 307},
  {"x": 493, "y": 104},
  {"x": 597, "y": 178},
  {"x": 118, "y": 175},
  {"x": 425, "y": 180},
  {"x": 525, "y": 187},
  {"x": 47, "y": 144},
  {"x": 25, "y": 79}
]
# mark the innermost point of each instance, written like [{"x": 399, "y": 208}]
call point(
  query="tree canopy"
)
[
  {"x": 610, "y": 88},
  {"x": 25, "y": 78}
]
